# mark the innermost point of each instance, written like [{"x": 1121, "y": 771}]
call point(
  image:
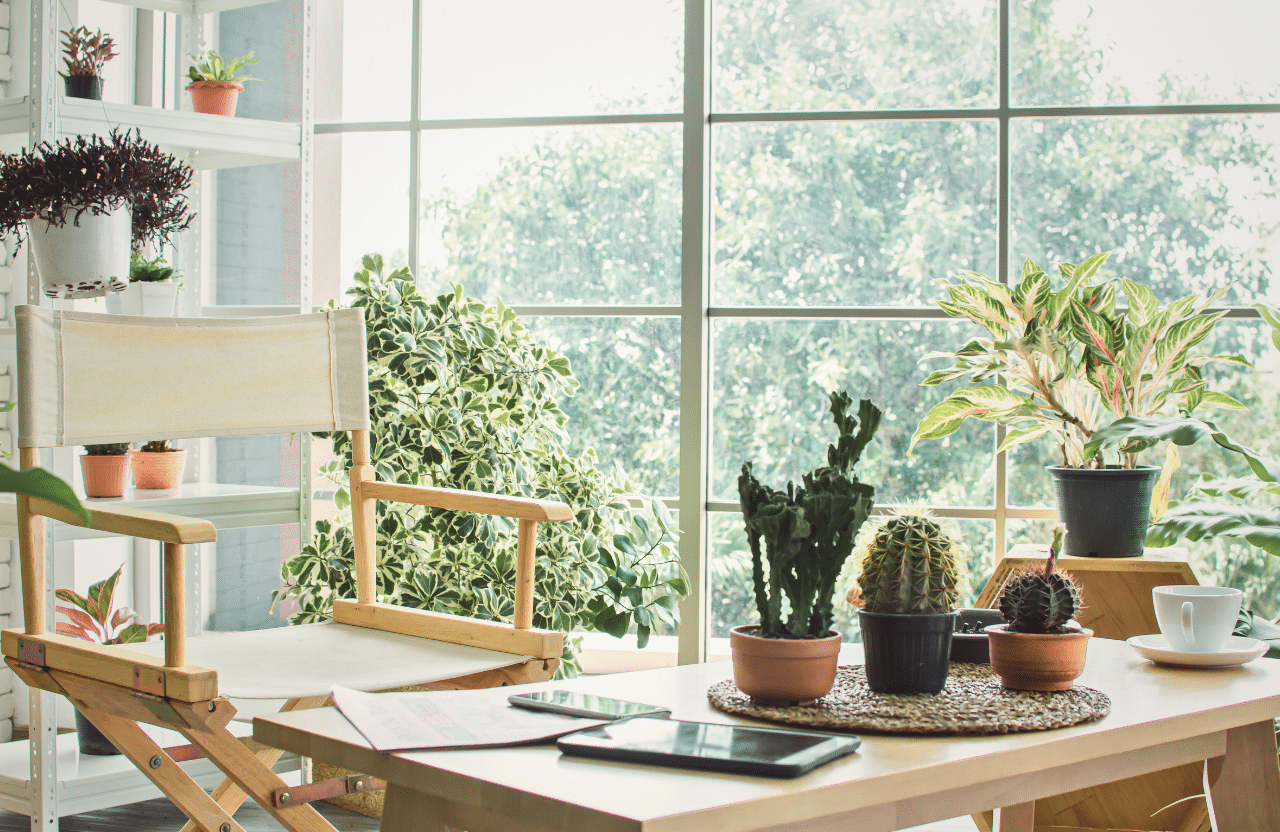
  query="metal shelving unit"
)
[{"x": 45, "y": 777}]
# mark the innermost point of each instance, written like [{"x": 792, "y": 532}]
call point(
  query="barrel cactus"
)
[
  {"x": 910, "y": 566},
  {"x": 806, "y": 533},
  {"x": 1041, "y": 600}
]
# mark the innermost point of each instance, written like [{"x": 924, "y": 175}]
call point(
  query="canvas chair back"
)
[{"x": 90, "y": 379}]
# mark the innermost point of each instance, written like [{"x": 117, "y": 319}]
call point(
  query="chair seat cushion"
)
[{"x": 309, "y": 659}]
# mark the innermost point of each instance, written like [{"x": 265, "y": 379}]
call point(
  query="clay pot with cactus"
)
[
  {"x": 1041, "y": 647},
  {"x": 906, "y": 593},
  {"x": 105, "y": 469},
  {"x": 799, "y": 540},
  {"x": 158, "y": 465}
]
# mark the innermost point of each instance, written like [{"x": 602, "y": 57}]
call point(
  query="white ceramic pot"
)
[
  {"x": 152, "y": 300},
  {"x": 84, "y": 259}
]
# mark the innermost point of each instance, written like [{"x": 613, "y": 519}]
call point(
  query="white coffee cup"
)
[{"x": 1196, "y": 619}]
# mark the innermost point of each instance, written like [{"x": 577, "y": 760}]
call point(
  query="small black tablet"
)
[{"x": 771, "y": 752}]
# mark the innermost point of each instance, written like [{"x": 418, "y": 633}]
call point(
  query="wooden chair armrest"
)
[
  {"x": 491, "y": 635},
  {"x": 476, "y": 501},
  {"x": 134, "y": 522}
]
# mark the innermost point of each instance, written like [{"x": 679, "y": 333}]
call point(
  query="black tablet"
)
[{"x": 772, "y": 752}]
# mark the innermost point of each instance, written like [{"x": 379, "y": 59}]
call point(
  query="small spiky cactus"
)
[
  {"x": 1041, "y": 600},
  {"x": 909, "y": 567}
]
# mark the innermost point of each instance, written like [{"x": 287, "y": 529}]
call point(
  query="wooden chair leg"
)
[
  {"x": 151, "y": 760},
  {"x": 246, "y": 770},
  {"x": 230, "y": 796},
  {"x": 1243, "y": 785}
]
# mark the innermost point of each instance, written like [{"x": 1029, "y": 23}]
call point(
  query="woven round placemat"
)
[{"x": 973, "y": 702}]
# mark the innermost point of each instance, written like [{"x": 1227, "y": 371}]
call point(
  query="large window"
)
[{"x": 722, "y": 212}]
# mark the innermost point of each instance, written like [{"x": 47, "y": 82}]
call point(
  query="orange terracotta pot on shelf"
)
[
  {"x": 215, "y": 97},
  {"x": 105, "y": 475},
  {"x": 158, "y": 469},
  {"x": 783, "y": 669}
]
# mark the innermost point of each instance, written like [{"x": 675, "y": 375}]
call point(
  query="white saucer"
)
[{"x": 1236, "y": 651}]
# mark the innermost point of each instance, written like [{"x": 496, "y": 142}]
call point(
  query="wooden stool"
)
[{"x": 1117, "y": 604}]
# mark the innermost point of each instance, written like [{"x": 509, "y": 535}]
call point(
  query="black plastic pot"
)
[
  {"x": 969, "y": 643},
  {"x": 91, "y": 739},
  {"x": 1106, "y": 510},
  {"x": 907, "y": 653},
  {"x": 84, "y": 86}
]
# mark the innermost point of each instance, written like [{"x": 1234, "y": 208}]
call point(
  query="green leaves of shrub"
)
[{"x": 461, "y": 396}]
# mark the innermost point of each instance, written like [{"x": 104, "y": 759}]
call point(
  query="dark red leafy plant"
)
[
  {"x": 92, "y": 618},
  {"x": 60, "y": 182}
]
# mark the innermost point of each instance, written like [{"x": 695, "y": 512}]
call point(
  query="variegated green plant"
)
[{"x": 1070, "y": 364}]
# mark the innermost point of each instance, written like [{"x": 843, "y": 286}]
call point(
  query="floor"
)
[{"x": 161, "y": 816}]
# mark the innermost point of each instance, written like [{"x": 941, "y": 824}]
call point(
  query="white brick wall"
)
[{"x": 6, "y": 63}]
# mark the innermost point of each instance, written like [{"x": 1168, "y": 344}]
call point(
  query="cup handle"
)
[{"x": 1188, "y": 631}]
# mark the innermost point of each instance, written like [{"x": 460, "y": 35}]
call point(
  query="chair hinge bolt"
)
[
  {"x": 226, "y": 827},
  {"x": 156, "y": 762},
  {"x": 284, "y": 798},
  {"x": 359, "y": 785}
]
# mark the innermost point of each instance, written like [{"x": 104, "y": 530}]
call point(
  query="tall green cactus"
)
[
  {"x": 1041, "y": 600},
  {"x": 910, "y": 567},
  {"x": 806, "y": 533}
]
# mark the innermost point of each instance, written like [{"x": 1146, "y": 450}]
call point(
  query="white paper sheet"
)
[{"x": 449, "y": 719}]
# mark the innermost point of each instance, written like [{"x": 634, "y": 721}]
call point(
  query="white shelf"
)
[
  {"x": 226, "y": 506},
  {"x": 87, "y": 783},
  {"x": 213, "y": 141}
]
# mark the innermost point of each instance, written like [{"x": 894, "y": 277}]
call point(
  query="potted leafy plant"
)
[
  {"x": 94, "y": 618},
  {"x": 1068, "y": 364},
  {"x": 907, "y": 588},
  {"x": 86, "y": 202},
  {"x": 152, "y": 290},
  {"x": 216, "y": 84},
  {"x": 84, "y": 53},
  {"x": 1041, "y": 647},
  {"x": 157, "y": 465},
  {"x": 799, "y": 540},
  {"x": 105, "y": 469}
]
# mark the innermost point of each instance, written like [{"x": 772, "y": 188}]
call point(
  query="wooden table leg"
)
[
  {"x": 1019, "y": 818},
  {"x": 1243, "y": 785},
  {"x": 406, "y": 810}
]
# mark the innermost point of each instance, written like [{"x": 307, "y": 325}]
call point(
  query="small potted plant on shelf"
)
[
  {"x": 152, "y": 290},
  {"x": 1041, "y": 647},
  {"x": 93, "y": 618},
  {"x": 86, "y": 202},
  {"x": 799, "y": 540},
  {"x": 906, "y": 593},
  {"x": 158, "y": 465},
  {"x": 85, "y": 53},
  {"x": 1067, "y": 363},
  {"x": 215, "y": 84},
  {"x": 105, "y": 469}
]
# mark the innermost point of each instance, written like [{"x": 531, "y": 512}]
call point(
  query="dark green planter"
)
[
  {"x": 92, "y": 741},
  {"x": 84, "y": 86},
  {"x": 1106, "y": 510},
  {"x": 906, "y": 653}
]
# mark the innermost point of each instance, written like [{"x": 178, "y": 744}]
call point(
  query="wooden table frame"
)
[{"x": 1161, "y": 717}]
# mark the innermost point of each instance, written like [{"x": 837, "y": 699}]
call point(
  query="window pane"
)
[
  {"x": 1144, "y": 52},
  {"x": 374, "y": 40},
  {"x": 628, "y": 407},
  {"x": 1188, "y": 204},
  {"x": 851, "y": 214},
  {"x": 374, "y": 204},
  {"x": 493, "y": 58},
  {"x": 802, "y": 55},
  {"x": 729, "y": 568},
  {"x": 554, "y": 215},
  {"x": 770, "y": 405}
]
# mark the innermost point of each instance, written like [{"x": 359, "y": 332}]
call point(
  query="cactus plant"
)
[
  {"x": 1041, "y": 600},
  {"x": 909, "y": 567},
  {"x": 808, "y": 531}
]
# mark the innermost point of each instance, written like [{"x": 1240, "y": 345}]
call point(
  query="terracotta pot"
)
[
  {"x": 1037, "y": 661},
  {"x": 215, "y": 97},
  {"x": 783, "y": 669},
  {"x": 105, "y": 476},
  {"x": 158, "y": 469}
]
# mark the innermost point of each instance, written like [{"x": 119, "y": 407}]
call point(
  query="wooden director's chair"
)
[{"x": 88, "y": 379}]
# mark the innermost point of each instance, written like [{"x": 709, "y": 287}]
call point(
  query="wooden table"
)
[{"x": 1160, "y": 717}]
